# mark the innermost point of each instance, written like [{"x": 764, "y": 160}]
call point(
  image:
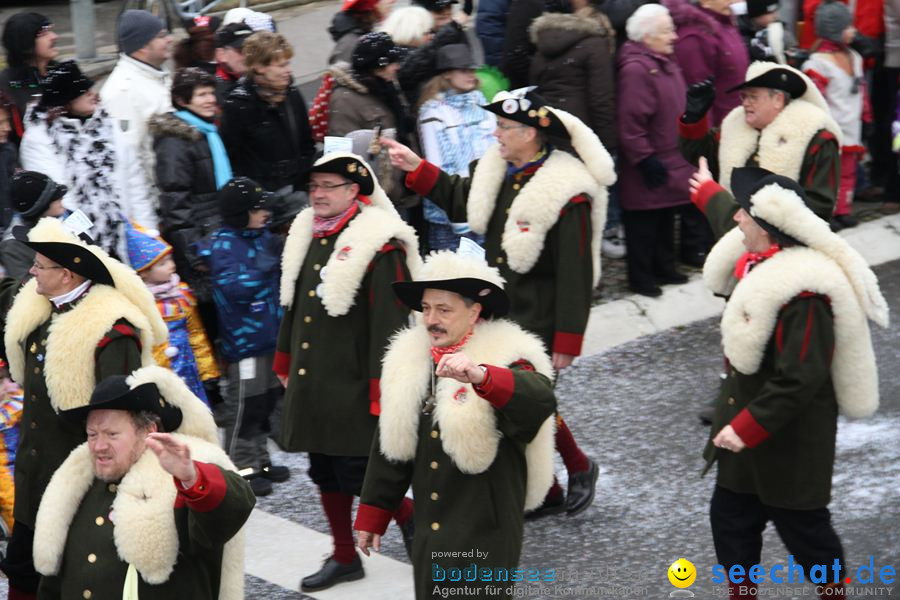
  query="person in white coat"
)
[
  {"x": 138, "y": 87},
  {"x": 70, "y": 138}
]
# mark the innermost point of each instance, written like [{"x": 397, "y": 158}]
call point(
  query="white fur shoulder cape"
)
[
  {"x": 354, "y": 249},
  {"x": 469, "y": 432}
]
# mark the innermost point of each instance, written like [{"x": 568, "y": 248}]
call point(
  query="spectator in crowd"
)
[
  {"x": 255, "y": 20},
  {"x": 366, "y": 97},
  {"x": 868, "y": 19},
  {"x": 420, "y": 64},
  {"x": 490, "y": 27},
  {"x": 11, "y": 397},
  {"x": 198, "y": 49},
  {"x": 244, "y": 260},
  {"x": 191, "y": 164},
  {"x": 34, "y": 195},
  {"x": 837, "y": 70},
  {"x": 764, "y": 35},
  {"x": 410, "y": 26},
  {"x": 454, "y": 131},
  {"x": 884, "y": 171},
  {"x": 8, "y": 159},
  {"x": 653, "y": 176},
  {"x": 355, "y": 19},
  {"x": 30, "y": 44},
  {"x": 73, "y": 140},
  {"x": 187, "y": 351},
  {"x": 518, "y": 49},
  {"x": 441, "y": 10},
  {"x": 265, "y": 125},
  {"x": 230, "y": 58},
  {"x": 139, "y": 86}
]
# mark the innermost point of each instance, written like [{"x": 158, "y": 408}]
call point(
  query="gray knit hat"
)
[
  {"x": 832, "y": 18},
  {"x": 136, "y": 29}
]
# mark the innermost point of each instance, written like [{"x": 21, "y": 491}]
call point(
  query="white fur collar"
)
[
  {"x": 536, "y": 208},
  {"x": 469, "y": 432},
  {"x": 781, "y": 146},
  {"x": 752, "y": 312},
  {"x": 354, "y": 249},
  {"x": 144, "y": 531}
]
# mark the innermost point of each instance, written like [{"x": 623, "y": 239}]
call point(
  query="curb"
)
[{"x": 631, "y": 318}]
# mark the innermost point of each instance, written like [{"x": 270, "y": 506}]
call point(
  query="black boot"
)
[
  {"x": 581, "y": 489},
  {"x": 331, "y": 573}
]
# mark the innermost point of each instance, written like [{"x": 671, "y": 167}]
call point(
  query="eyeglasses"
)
[
  {"x": 312, "y": 187},
  {"x": 505, "y": 127},
  {"x": 41, "y": 267}
]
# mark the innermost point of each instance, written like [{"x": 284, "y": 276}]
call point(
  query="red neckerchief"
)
[
  {"x": 748, "y": 260},
  {"x": 831, "y": 46},
  {"x": 323, "y": 227},
  {"x": 223, "y": 73},
  {"x": 438, "y": 352}
]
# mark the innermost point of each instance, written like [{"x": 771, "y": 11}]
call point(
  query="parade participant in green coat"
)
[
  {"x": 340, "y": 257},
  {"x": 796, "y": 338},
  {"x": 467, "y": 419},
  {"x": 542, "y": 212},
  {"x": 150, "y": 507},
  {"x": 81, "y": 318},
  {"x": 783, "y": 125}
]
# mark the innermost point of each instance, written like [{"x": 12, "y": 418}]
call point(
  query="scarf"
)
[
  {"x": 268, "y": 94},
  {"x": 325, "y": 226},
  {"x": 221, "y": 164},
  {"x": 438, "y": 351},
  {"x": 532, "y": 165},
  {"x": 748, "y": 260},
  {"x": 167, "y": 290}
]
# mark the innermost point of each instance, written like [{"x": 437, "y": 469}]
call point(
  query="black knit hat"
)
[
  {"x": 238, "y": 197},
  {"x": 136, "y": 29},
  {"x": 32, "y": 192},
  {"x": 114, "y": 393},
  {"x": 64, "y": 83},
  {"x": 373, "y": 51},
  {"x": 746, "y": 181},
  {"x": 18, "y": 36},
  {"x": 832, "y": 18}
]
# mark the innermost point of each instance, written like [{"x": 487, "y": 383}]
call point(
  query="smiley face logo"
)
[{"x": 682, "y": 573}]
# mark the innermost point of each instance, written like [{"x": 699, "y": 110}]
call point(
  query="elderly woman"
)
[
  {"x": 653, "y": 174},
  {"x": 409, "y": 26}
]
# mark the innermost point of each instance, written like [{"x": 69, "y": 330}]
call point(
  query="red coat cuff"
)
[
  {"x": 423, "y": 179},
  {"x": 567, "y": 343},
  {"x": 282, "y": 364},
  {"x": 372, "y": 519},
  {"x": 701, "y": 197},
  {"x": 694, "y": 131},
  {"x": 498, "y": 386},
  {"x": 748, "y": 429},
  {"x": 375, "y": 397},
  {"x": 207, "y": 492}
]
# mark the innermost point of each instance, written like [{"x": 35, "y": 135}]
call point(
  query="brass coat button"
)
[
  {"x": 499, "y": 260},
  {"x": 434, "y": 465},
  {"x": 434, "y": 434},
  {"x": 86, "y": 594},
  {"x": 37, "y": 370},
  {"x": 301, "y": 372},
  {"x": 305, "y": 345},
  {"x": 311, "y": 293},
  {"x": 323, "y": 241},
  {"x": 92, "y": 558},
  {"x": 99, "y": 521},
  {"x": 316, "y": 267},
  {"x": 435, "y": 526},
  {"x": 112, "y": 488},
  {"x": 731, "y": 401},
  {"x": 434, "y": 495},
  {"x": 307, "y": 319},
  {"x": 34, "y": 424}
]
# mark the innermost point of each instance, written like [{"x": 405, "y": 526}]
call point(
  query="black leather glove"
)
[
  {"x": 653, "y": 172},
  {"x": 700, "y": 97},
  {"x": 866, "y": 46}
]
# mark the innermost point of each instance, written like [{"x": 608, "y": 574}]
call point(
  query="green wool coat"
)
[
  {"x": 459, "y": 512},
  {"x": 793, "y": 411},
  {"x": 334, "y": 363},
  {"x": 91, "y": 567}
]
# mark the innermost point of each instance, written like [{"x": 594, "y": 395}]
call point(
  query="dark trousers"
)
[
  {"x": 343, "y": 474},
  {"x": 18, "y": 564},
  {"x": 738, "y": 521},
  {"x": 884, "y": 106},
  {"x": 696, "y": 234},
  {"x": 649, "y": 244}
]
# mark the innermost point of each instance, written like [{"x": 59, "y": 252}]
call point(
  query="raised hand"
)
[
  {"x": 700, "y": 97},
  {"x": 174, "y": 457},
  {"x": 460, "y": 367},
  {"x": 401, "y": 157}
]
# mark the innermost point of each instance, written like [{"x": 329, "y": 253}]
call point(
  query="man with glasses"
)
[
  {"x": 83, "y": 317},
  {"x": 542, "y": 212},
  {"x": 341, "y": 255},
  {"x": 783, "y": 124}
]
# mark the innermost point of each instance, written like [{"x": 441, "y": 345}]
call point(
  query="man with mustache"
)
[{"x": 467, "y": 419}]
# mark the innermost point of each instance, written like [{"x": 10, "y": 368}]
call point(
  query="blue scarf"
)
[{"x": 221, "y": 164}]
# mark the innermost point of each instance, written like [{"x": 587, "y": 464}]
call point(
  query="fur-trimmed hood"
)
[
  {"x": 145, "y": 534},
  {"x": 469, "y": 434},
  {"x": 168, "y": 125},
  {"x": 343, "y": 76},
  {"x": 554, "y": 33}
]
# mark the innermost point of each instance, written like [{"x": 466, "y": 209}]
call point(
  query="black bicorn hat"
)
[
  {"x": 526, "y": 106},
  {"x": 777, "y": 78},
  {"x": 72, "y": 255},
  {"x": 747, "y": 181},
  {"x": 349, "y": 166},
  {"x": 32, "y": 192},
  {"x": 64, "y": 83},
  {"x": 114, "y": 393}
]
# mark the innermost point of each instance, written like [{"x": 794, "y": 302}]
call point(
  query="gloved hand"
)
[
  {"x": 653, "y": 172},
  {"x": 700, "y": 97},
  {"x": 759, "y": 46}
]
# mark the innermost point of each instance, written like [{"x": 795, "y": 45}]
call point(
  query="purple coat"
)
[
  {"x": 651, "y": 99},
  {"x": 710, "y": 45}
]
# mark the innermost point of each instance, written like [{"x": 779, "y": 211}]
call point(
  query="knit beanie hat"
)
[
  {"x": 18, "y": 36},
  {"x": 373, "y": 51},
  {"x": 32, "y": 192},
  {"x": 832, "y": 18},
  {"x": 136, "y": 29},
  {"x": 238, "y": 197},
  {"x": 64, "y": 83}
]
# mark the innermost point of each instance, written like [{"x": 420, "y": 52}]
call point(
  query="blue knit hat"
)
[{"x": 145, "y": 248}]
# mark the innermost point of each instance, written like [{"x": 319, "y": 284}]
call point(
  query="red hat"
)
[{"x": 359, "y": 5}]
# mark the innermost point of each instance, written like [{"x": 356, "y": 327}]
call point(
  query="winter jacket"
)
[
  {"x": 517, "y": 47},
  {"x": 709, "y": 45},
  {"x": 270, "y": 144},
  {"x": 651, "y": 98},
  {"x": 133, "y": 93},
  {"x": 573, "y": 68},
  {"x": 420, "y": 64},
  {"x": 24, "y": 86},
  {"x": 8, "y": 160},
  {"x": 245, "y": 270},
  {"x": 490, "y": 27},
  {"x": 188, "y": 209},
  {"x": 345, "y": 30}
]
